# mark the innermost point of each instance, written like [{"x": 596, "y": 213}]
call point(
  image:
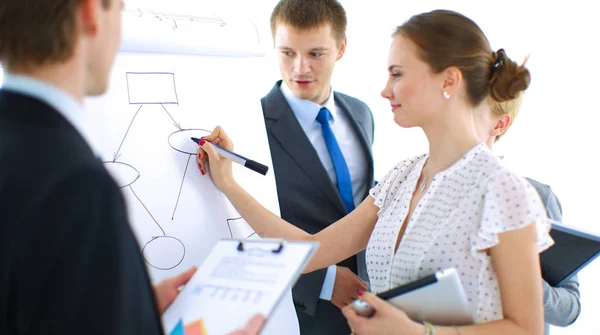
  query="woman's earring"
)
[{"x": 446, "y": 95}]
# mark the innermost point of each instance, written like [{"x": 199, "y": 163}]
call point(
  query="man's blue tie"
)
[{"x": 344, "y": 182}]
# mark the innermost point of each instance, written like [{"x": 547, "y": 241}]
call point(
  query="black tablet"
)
[{"x": 573, "y": 249}]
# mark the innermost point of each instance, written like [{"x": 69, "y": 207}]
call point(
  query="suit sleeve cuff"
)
[{"x": 328, "y": 283}]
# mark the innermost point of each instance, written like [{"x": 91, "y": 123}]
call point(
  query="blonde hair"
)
[{"x": 510, "y": 107}]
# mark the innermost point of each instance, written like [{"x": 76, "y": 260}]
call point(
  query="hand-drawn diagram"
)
[
  {"x": 127, "y": 175},
  {"x": 162, "y": 252},
  {"x": 241, "y": 230},
  {"x": 181, "y": 141},
  {"x": 173, "y": 18},
  {"x": 179, "y": 32}
]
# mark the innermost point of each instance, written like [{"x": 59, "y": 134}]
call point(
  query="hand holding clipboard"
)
[{"x": 237, "y": 281}]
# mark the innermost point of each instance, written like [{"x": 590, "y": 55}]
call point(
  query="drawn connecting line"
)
[
  {"x": 175, "y": 123},
  {"x": 241, "y": 225},
  {"x": 180, "y": 141},
  {"x": 162, "y": 252},
  {"x": 146, "y": 208},
  {"x": 117, "y": 153},
  {"x": 181, "y": 187},
  {"x": 153, "y": 251},
  {"x": 126, "y": 175},
  {"x": 173, "y": 18}
]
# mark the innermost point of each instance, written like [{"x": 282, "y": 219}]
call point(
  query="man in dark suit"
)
[
  {"x": 69, "y": 261},
  {"x": 320, "y": 144}
]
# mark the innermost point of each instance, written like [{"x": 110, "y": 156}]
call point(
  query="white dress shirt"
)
[{"x": 306, "y": 112}]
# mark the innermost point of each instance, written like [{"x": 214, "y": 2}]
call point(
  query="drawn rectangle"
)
[{"x": 151, "y": 88}]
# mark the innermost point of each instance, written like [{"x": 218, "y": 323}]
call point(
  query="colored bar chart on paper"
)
[
  {"x": 196, "y": 328},
  {"x": 193, "y": 328},
  {"x": 178, "y": 330},
  {"x": 236, "y": 281}
]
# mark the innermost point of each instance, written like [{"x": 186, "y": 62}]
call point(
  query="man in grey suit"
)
[
  {"x": 561, "y": 303},
  {"x": 320, "y": 144}
]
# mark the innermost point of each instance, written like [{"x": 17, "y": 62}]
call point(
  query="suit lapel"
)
[{"x": 287, "y": 130}]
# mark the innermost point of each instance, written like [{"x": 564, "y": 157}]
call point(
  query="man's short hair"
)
[
  {"x": 310, "y": 14},
  {"x": 35, "y": 32},
  {"x": 510, "y": 107}
]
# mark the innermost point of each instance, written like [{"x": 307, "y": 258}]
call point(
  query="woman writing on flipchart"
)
[{"x": 455, "y": 207}]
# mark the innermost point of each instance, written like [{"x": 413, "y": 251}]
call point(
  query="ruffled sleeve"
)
[
  {"x": 510, "y": 203},
  {"x": 387, "y": 188}
]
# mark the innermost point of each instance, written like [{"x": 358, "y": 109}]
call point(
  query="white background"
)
[{"x": 553, "y": 139}]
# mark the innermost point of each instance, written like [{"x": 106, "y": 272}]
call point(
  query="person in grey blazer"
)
[
  {"x": 561, "y": 303},
  {"x": 310, "y": 38}
]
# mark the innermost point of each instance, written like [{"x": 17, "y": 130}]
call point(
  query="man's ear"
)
[
  {"x": 452, "y": 77},
  {"x": 89, "y": 15},
  {"x": 342, "y": 49},
  {"x": 501, "y": 125}
]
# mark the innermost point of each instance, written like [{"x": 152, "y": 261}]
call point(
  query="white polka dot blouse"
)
[{"x": 459, "y": 216}]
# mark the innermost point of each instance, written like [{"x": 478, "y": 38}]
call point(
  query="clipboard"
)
[
  {"x": 573, "y": 249},
  {"x": 438, "y": 298},
  {"x": 237, "y": 280}
]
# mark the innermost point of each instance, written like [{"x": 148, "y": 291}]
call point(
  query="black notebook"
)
[{"x": 573, "y": 249}]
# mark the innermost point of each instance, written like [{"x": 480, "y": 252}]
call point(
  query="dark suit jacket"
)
[
  {"x": 69, "y": 260},
  {"x": 308, "y": 198}
]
